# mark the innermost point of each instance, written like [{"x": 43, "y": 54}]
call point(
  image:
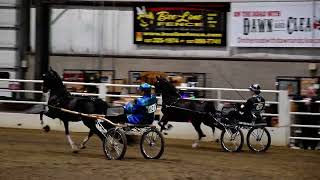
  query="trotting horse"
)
[
  {"x": 61, "y": 98},
  {"x": 176, "y": 108}
]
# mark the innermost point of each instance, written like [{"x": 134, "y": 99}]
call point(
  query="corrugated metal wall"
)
[
  {"x": 110, "y": 31},
  {"x": 7, "y": 33}
]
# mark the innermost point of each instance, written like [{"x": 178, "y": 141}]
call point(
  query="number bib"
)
[
  {"x": 259, "y": 106},
  {"x": 152, "y": 108}
]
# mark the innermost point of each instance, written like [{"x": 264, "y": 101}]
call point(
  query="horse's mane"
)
[
  {"x": 57, "y": 81},
  {"x": 169, "y": 87},
  {"x": 57, "y": 78}
]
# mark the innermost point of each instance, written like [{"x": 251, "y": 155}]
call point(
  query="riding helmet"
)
[
  {"x": 255, "y": 88},
  {"x": 145, "y": 87}
]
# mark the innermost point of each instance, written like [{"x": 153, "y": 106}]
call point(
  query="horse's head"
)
[
  {"x": 164, "y": 87},
  {"x": 51, "y": 80}
]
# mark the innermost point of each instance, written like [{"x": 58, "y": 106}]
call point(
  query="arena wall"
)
[{"x": 179, "y": 131}]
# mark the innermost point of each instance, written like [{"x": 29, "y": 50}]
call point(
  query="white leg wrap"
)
[
  {"x": 72, "y": 144},
  {"x": 196, "y": 144},
  {"x": 85, "y": 140}
]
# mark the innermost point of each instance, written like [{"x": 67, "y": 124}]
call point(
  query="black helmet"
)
[{"x": 255, "y": 88}]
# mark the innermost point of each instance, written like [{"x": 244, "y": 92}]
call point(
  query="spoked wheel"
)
[
  {"x": 115, "y": 144},
  {"x": 258, "y": 139},
  {"x": 152, "y": 144},
  {"x": 231, "y": 139}
]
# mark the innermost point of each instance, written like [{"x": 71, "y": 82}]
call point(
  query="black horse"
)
[
  {"x": 176, "y": 108},
  {"x": 61, "y": 98}
]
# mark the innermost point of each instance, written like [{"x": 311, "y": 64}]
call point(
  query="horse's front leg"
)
[
  {"x": 163, "y": 122},
  {"x": 196, "y": 124},
  {"x": 211, "y": 124},
  {"x": 46, "y": 128},
  {"x": 85, "y": 140},
  {"x": 74, "y": 147}
]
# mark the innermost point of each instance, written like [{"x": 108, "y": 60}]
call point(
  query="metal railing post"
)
[
  {"x": 219, "y": 97},
  {"x": 284, "y": 115},
  {"x": 102, "y": 91}
]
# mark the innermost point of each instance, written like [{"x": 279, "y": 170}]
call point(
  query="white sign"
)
[{"x": 275, "y": 24}]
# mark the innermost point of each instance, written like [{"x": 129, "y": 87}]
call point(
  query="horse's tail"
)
[{"x": 210, "y": 107}]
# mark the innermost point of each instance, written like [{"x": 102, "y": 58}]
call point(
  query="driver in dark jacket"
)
[{"x": 252, "y": 109}]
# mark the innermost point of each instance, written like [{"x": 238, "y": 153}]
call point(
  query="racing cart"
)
[
  {"x": 258, "y": 137},
  {"x": 115, "y": 141}
]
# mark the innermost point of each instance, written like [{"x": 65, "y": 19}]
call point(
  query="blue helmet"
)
[{"x": 145, "y": 87}]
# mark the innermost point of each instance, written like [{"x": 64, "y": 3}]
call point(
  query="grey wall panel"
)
[
  {"x": 9, "y": 2},
  {"x": 7, "y": 38},
  {"x": 7, "y": 59},
  {"x": 75, "y": 31},
  {"x": 8, "y": 17}
]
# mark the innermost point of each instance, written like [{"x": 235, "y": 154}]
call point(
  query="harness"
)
[{"x": 172, "y": 105}]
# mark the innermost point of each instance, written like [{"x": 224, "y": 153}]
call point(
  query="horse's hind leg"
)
[
  {"x": 196, "y": 125},
  {"x": 85, "y": 140},
  {"x": 214, "y": 138},
  {"x": 93, "y": 129},
  {"x": 72, "y": 144},
  {"x": 209, "y": 123}
]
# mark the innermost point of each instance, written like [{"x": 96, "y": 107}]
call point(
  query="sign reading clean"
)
[{"x": 281, "y": 24}]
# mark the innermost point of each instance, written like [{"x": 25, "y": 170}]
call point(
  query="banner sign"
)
[
  {"x": 280, "y": 24},
  {"x": 181, "y": 23}
]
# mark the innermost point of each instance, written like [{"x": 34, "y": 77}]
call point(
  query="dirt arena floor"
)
[{"x": 33, "y": 154}]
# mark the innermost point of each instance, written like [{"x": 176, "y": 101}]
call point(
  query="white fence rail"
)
[
  {"x": 283, "y": 102},
  {"x": 295, "y": 133}
]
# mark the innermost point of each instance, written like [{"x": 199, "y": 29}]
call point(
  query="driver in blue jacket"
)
[{"x": 142, "y": 109}]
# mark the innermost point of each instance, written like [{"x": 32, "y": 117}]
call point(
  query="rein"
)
[{"x": 172, "y": 105}]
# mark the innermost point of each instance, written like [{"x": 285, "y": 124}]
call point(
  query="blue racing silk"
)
[{"x": 142, "y": 109}]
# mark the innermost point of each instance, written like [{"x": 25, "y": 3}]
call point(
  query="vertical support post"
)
[
  {"x": 219, "y": 96},
  {"x": 102, "y": 91},
  {"x": 284, "y": 115},
  {"x": 42, "y": 40},
  {"x": 23, "y": 39}
]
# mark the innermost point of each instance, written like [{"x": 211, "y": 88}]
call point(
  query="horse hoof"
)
[
  {"x": 83, "y": 147},
  {"x": 169, "y": 127},
  {"x": 75, "y": 151},
  {"x": 195, "y": 145},
  {"x": 46, "y": 128}
]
